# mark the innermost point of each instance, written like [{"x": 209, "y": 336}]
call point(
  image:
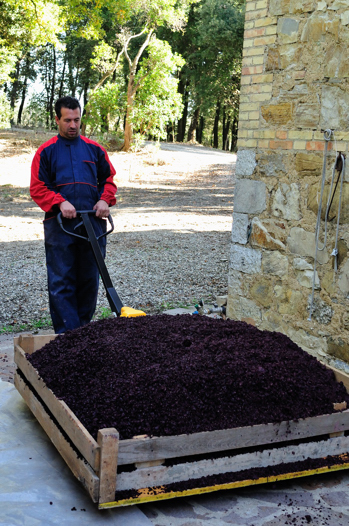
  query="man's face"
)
[{"x": 69, "y": 123}]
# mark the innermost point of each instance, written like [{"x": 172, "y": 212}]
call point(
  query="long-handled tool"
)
[{"x": 115, "y": 302}]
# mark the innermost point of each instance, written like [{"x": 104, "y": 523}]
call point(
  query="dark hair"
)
[{"x": 66, "y": 102}]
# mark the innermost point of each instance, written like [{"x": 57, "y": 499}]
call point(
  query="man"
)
[{"x": 69, "y": 173}]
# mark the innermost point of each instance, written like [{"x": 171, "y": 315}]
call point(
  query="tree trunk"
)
[
  {"x": 24, "y": 92},
  {"x": 225, "y": 130},
  {"x": 128, "y": 125},
  {"x": 193, "y": 125},
  {"x": 200, "y": 130},
  {"x": 52, "y": 89},
  {"x": 61, "y": 84},
  {"x": 14, "y": 91},
  {"x": 234, "y": 135},
  {"x": 182, "y": 123},
  {"x": 215, "y": 126}
]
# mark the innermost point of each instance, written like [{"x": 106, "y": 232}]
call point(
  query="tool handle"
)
[{"x": 80, "y": 212}]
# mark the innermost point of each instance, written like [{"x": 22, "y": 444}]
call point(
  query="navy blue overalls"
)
[{"x": 80, "y": 172}]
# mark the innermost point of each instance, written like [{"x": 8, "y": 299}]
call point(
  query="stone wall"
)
[{"x": 295, "y": 83}]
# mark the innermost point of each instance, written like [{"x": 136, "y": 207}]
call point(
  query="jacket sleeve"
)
[
  {"x": 106, "y": 172},
  {"x": 39, "y": 190}
]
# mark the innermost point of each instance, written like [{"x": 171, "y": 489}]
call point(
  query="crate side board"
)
[
  {"x": 164, "y": 475},
  {"x": 147, "y": 495},
  {"x": 30, "y": 343},
  {"x": 153, "y": 448},
  {"x": 82, "y": 471},
  {"x": 81, "y": 438}
]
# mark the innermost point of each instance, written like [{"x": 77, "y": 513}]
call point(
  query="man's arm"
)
[{"x": 39, "y": 190}]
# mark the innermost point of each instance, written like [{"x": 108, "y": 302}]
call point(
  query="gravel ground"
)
[{"x": 172, "y": 229}]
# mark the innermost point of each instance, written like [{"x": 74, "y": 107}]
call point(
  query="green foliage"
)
[
  {"x": 105, "y": 107},
  {"x": 6, "y": 113},
  {"x": 158, "y": 101}
]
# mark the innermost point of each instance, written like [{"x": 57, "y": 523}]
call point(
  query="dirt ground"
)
[{"x": 170, "y": 246}]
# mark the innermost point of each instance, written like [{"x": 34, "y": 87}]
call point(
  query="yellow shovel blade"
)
[{"x": 129, "y": 312}]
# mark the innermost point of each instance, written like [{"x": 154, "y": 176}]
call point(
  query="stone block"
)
[
  {"x": 338, "y": 348},
  {"x": 245, "y": 259},
  {"x": 290, "y": 54},
  {"x": 239, "y": 229},
  {"x": 343, "y": 279},
  {"x": 312, "y": 344},
  {"x": 338, "y": 4},
  {"x": 273, "y": 59},
  {"x": 292, "y": 302},
  {"x": 305, "y": 279},
  {"x": 275, "y": 264},
  {"x": 309, "y": 164},
  {"x": 245, "y": 163},
  {"x": 271, "y": 164},
  {"x": 262, "y": 292},
  {"x": 318, "y": 26},
  {"x": 301, "y": 264},
  {"x": 279, "y": 7},
  {"x": 264, "y": 237},
  {"x": 278, "y": 113},
  {"x": 302, "y": 243},
  {"x": 242, "y": 309},
  {"x": 321, "y": 312},
  {"x": 345, "y": 18},
  {"x": 337, "y": 61},
  {"x": 307, "y": 115},
  {"x": 334, "y": 108},
  {"x": 313, "y": 202},
  {"x": 250, "y": 196},
  {"x": 235, "y": 283},
  {"x": 287, "y": 30},
  {"x": 286, "y": 202}
]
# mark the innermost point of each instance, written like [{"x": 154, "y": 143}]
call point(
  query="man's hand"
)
[
  {"x": 67, "y": 209},
  {"x": 102, "y": 209}
]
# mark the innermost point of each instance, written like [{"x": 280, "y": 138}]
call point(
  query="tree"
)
[
  {"x": 137, "y": 22},
  {"x": 158, "y": 101}
]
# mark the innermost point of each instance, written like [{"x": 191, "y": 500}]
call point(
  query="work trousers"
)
[{"x": 72, "y": 274}]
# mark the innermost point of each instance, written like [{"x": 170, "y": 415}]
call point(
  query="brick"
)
[
  {"x": 298, "y": 134},
  {"x": 252, "y": 33},
  {"x": 243, "y": 116},
  {"x": 263, "y": 143},
  {"x": 251, "y": 124},
  {"x": 248, "y": 61},
  {"x": 265, "y": 134},
  {"x": 250, "y": 24},
  {"x": 252, "y": 15},
  {"x": 248, "y": 105},
  {"x": 253, "y": 115},
  {"x": 248, "y": 43},
  {"x": 254, "y": 51},
  {"x": 257, "y": 60},
  {"x": 261, "y": 97},
  {"x": 281, "y": 134},
  {"x": 250, "y": 6},
  {"x": 254, "y": 70},
  {"x": 264, "y": 41},
  {"x": 271, "y": 30},
  {"x": 283, "y": 145},
  {"x": 261, "y": 79},
  {"x": 299, "y": 145},
  {"x": 318, "y": 145},
  {"x": 246, "y": 79},
  {"x": 261, "y": 4},
  {"x": 267, "y": 21},
  {"x": 247, "y": 143}
]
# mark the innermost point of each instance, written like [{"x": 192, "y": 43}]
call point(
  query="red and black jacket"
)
[{"x": 78, "y": 171}]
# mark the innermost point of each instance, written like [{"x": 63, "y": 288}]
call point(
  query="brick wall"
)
[{"x": 295, "y": 84}]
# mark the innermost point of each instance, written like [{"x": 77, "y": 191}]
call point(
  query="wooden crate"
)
[{"x": 124, "y": 472}]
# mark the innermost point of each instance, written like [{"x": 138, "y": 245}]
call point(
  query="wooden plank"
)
[
  {"x": 108, "y": 439},
  {"x": 80, "y": 437},
  {"x": 30, "y": 343},
  {"x": 163, "y": 475},
  {"x": 146, "y": 496},
  {"x": 147, "y": 449},
  {"x": 80, "y": 469}
]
